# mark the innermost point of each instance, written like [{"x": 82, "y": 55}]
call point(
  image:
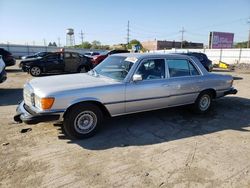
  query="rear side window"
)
[{"x": 181, "y": 67}]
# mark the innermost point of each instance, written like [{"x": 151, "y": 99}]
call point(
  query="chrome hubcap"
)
[
  {"x": 35, "y": 71},
  {"x": 205, "y": 102},
  {"x": 85, "y": 122}
]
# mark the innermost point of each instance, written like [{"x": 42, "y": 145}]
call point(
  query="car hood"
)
[
  {"x": 30, "y": 59},
  {"x": 50, "y": 85}
]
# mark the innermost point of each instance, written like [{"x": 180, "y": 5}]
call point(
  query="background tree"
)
[
  {"x": 134, "y": 42},
  {"x": 96, "y": 44},
  {"x": 241, "y": 45}
]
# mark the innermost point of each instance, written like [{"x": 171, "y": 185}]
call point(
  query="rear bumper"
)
[
  {"x": 24, "y": 115},
  {"x": 10, "y": 62},
  {"x": 232, "y": 91},
  {"x": 3, "y": 76}
]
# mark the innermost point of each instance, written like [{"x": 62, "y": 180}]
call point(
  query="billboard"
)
[{"x": 221, "y": 40}]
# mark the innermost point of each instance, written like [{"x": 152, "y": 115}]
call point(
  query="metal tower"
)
[{"x": 70, "y": 37}]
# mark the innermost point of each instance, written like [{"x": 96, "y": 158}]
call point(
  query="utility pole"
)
[
  {"x": 81, "y": 36},
  {"x": 128, "y": 34},
  {"x": 182, "y": 36},
  {"x": 59, "y": 42},
  {"x": 44, "y": 42},
  {"x": 248, "y": 42}
]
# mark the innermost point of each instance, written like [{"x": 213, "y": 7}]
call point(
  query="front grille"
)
[{"x": 27, "y": 95}]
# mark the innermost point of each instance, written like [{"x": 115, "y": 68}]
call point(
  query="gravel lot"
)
[{"x": 164, "y": 148}]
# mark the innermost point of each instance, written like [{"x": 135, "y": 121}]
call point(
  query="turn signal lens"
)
[{"x": 46, "y": 103}]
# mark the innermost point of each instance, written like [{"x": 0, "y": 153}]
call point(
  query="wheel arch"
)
[
  {"x": 93, "y": 102},
  {"x": 210, "y": 90},
  {"x": 83, "y": 65}
]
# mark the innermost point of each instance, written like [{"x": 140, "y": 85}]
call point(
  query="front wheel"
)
[
  {"x": 203, "y": 102},
  {"x": 35, "y": 71},
  {"x": 82, "y": 121}
]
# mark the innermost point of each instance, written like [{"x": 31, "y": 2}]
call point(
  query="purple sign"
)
[{"x": 222, "y": 40}]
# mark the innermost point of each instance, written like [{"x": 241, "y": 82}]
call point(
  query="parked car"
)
[
  {"x": 3, "y": 75},
  {"x": 99, "y": 58},
  {"x": 57, "y": 62},
  {"x": 91, "y": 53},
  {"x": 207, "y": 63},
  {"x": 121, "y": 84},
  {"x": 38, "y": 54},
  {"x": 7, "y": 57}
]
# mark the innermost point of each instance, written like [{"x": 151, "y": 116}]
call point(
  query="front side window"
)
[
  {"x": 152, "y": 69},
  {"x": 181, "y": 67},
  {"x": 53, "y": 56}
]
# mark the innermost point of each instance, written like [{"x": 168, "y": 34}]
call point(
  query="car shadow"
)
[
  {"x": 229, "y": 113},
  {"x": 13, "y": 70},
  {"x": 237, "y": 78},
  {"x": 15, "y": 94},
  {"x": 222, "y": 70}
]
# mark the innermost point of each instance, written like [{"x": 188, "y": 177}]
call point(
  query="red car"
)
[{"x": 99, "y": 58}]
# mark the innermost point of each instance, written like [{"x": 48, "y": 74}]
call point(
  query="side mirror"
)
[{"x": 137, "y": 77}]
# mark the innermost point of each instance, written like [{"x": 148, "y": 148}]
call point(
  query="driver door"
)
[{"x": 152, "y": 92}]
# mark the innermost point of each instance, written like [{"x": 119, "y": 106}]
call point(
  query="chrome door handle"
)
[{"x": 165, "y": 85}]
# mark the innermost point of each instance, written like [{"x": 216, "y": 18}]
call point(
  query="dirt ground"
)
[{"x": 164, "y": 148}]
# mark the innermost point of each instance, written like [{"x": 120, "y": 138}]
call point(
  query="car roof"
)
[{"x": 151, "y": 55}]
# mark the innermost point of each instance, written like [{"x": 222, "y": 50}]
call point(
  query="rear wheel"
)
[
  {"x": 82, "y": 69},
  {"x": 203, "y": 102},
  {"x": 82, "y": 121},
  {"x": 35, "y": 71}
]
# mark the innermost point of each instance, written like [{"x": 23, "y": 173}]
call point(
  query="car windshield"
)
[{"x": 115, "y": 67}]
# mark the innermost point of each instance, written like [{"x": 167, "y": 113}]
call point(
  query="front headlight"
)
[{"x": 44, "y": 103}]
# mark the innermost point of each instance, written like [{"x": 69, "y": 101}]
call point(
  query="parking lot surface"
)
[{"x": 164, "y": 148}]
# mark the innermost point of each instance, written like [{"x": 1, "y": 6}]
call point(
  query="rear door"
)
[
  {"x": 72, "y": 61},
  {"x": 185, "y": 81}
]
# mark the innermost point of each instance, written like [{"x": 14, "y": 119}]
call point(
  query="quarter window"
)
[{"x": 181, "y": 67}]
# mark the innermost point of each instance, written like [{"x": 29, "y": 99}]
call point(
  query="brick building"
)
[{"x": 163, "y": 44}]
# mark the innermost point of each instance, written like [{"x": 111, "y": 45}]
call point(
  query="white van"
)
[{"x": 3, "y": 76}]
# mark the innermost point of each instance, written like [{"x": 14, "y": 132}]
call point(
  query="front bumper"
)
[
  {"x": 232, "y": 91},
  {"x": 25, "y": 68},
  {"x": 3, "y": 76},
  {"x": 23, "y": 114}
]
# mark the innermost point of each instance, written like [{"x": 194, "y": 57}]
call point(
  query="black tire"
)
[
  {"x": 82, "y": 121},
  {"x": 35, "y": 71},
  {"x": 82, "y": 69},
  {"x": 203, "y": 102}
]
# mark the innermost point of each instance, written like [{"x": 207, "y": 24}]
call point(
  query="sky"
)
[{"x": 36, "y": 21}]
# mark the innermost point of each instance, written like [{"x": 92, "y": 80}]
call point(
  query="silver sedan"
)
[{"x": 121, "y": 84}]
